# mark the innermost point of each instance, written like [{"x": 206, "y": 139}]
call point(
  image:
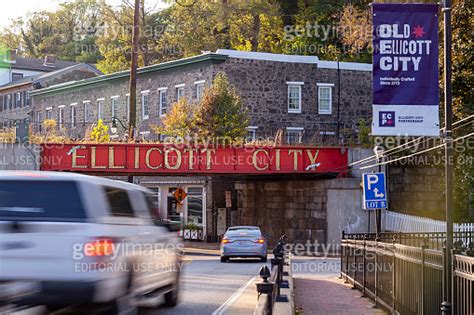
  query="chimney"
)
[
  {"x": 49, "y": 60},
  {"x": 10, "y": 56}
]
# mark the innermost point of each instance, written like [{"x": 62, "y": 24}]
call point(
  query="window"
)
[
  {"x": 199, "y": 85},
  {"x": 73, "y": 115},
  {"x": 48, "y": 112},
  {"x": 27, "y": 98},
  {"x": 294, "y": 135},
  {"x": 43, "y": 200},
  {"x": 86, "y": 110},
  {"x": 325, "y": 98},
  {"x": 145, "y": 104},
  {"x": 16, "y": 76},
  {"x": 294, "y": 97},
  {"x": 179, "y": 91},
  {"x": 61, "y": 115},
  {"x": 119, "y": 202},
  {"x": 38, "y": 122},
  {"x": 114, "y": 100},
  {"x": 195, "y": 206},
  {"x": 17, "y": 100},
  {"x": 10, "y": 101},
  {"x": 2, "y": 99},
  {"x": 163, "y": 92},
  {"x": 100, "y": 108},
  {"x": 251, "y": 133}
]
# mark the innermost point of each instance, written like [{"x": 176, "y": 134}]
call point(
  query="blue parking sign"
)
[{"x": 375, "y": 192}]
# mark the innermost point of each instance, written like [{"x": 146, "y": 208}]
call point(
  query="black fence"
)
[
  {"x": 403, "y": 273},
  {"x": 272, "y": 281}
]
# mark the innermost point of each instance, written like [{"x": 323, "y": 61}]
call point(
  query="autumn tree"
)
[
  {"x": 179, "y": 121},
  {"x": 221, "y": 113}
]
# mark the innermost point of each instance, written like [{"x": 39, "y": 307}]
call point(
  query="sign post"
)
[{"x": 375, "y": 195}]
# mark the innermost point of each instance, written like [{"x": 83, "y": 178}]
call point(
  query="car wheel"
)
[
  {"x": 263, "y": 259},
  {"x": 171, "y": 298},
  {"x": 224, "y": 259}
]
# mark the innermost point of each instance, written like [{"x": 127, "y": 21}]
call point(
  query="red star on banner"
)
[{"x": 418, "y": 31}]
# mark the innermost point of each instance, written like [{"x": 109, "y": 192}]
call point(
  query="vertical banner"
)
[{"x": 405, "y": 70}]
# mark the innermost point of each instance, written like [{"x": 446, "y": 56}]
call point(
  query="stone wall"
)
[
  {"x": 297, "y": 208},
  {"x": 262, "y": 85},
  {"x": 417, "y": 190}
]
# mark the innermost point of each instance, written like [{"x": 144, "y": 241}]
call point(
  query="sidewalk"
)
[
  {"x": 319, "y": 291},
  {"x": 201, "y": 248}
]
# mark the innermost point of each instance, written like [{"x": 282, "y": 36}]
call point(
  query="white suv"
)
[{"x": 68, "y": 239}]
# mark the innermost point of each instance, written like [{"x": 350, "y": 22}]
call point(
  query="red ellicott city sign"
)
[{"x": 153, "y": 159}]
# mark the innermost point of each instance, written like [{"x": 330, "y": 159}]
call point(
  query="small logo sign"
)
[{"x": 386, "y": 119}]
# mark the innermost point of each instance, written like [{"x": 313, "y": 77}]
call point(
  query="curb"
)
[
  {"x": 290, "y": 284},
  {"x": 198, "y": 251}
]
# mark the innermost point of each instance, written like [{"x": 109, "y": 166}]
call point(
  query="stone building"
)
[
  {"x": 310, "y": 100},
  {"x": 15, "y": 101}
]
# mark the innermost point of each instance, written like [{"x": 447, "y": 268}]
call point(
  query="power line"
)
[
  {"x": 416, "y": 153},
  {"x": 404, "y": 146}
]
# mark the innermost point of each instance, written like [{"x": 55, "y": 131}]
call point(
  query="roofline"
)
[
  {"x": 213, "y": 57},
  {"x": 58, "y": 71}
]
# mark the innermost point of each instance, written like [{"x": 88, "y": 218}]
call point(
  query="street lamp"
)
[
  {"x": 378, "y": 151},
  {"x": 113, "y": 128},
  {"x": 312, "y": 166}
]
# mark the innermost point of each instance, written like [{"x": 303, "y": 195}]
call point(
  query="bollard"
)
[{"x": 266, "y": 287}]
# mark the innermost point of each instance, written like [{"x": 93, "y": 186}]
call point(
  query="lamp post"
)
[{"x": 378, "y": 151}]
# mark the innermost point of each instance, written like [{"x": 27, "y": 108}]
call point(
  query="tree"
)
[
  {"x": 100, "y": 133},
  {"x": 179, "y": 121},
  {"x": 221, "y": 113}
]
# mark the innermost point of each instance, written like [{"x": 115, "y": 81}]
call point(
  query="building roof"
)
[
  {"x": 207, "y": 57},
  {"x": 219, "y": 56},
  {"x": 36, "y": 64},
  {"x": 45, "y": 76}
]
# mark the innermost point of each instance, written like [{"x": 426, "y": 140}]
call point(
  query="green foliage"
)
[
  {"x": 100, "y": 133},
  {"x": 192, "y": 226},
  {"x": 364, "y": 133},
  {"x": 221, "y": 113}
]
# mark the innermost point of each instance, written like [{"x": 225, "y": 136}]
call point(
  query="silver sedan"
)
[{"x": 243, "y": 241}]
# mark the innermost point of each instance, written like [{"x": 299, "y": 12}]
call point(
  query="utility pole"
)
[
  {"x": 132, "y": 123},
  {"x": 446, "y": 306}
]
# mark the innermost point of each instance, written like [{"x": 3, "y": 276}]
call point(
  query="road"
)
[{"x": 207, "y": 287}]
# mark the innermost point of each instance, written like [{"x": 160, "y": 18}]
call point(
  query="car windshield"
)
[
  {"x": 244, "y": 232},
  {"x": 40, "y": 201}
]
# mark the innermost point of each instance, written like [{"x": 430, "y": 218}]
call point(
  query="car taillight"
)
[
  {"x": 99, "y": 247},
  {"x": 260, "y": 241},
  {"x": 226, "y": 241}
]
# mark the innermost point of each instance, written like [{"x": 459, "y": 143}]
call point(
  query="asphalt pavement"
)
[{"x": 207, "y": 287}]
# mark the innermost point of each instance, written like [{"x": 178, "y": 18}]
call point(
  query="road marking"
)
[{"x": 221, "y": 310}]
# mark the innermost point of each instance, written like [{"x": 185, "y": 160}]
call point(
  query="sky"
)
[{"x": 11, "y": 9}]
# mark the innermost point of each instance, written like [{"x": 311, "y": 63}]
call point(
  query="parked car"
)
[
  {"x": 243, "y": 241},
  {"x": 69, "y": 239}
]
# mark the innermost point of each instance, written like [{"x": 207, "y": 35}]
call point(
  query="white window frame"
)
[
  {"x": 325, "y": 86},
  {"x": 160, "y": 92},
  {"x": 253, "y": 130},
  {"x": 145, "y": 93},
  {"x": 17, "y": 99},
  {"x": 49, "y": 111},
  {"x": 73, "y": 115},
  {"x": 290, "y": 85},
  {"x": 100, "y": 104},
  {"x": 179, "y": 87},
  {"x": 299, "y": 129},
  {"x": 61, "y": 115},
  {"x": 199, "y": 86},
  {"x": 113, "y": 105},
  {"x": 86, "y": 108}
]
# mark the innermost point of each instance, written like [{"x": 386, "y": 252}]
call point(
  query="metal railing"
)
[
  {"x": 399, "y": 222},
  {"x": 407, "y": 279},
  {"x": 269, "y": 288}
]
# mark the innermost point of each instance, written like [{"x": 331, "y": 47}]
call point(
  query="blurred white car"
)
[{"x": 68, "y": 239}]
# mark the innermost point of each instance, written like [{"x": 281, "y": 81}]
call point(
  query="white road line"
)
[{"x": 221, "y": 310}]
